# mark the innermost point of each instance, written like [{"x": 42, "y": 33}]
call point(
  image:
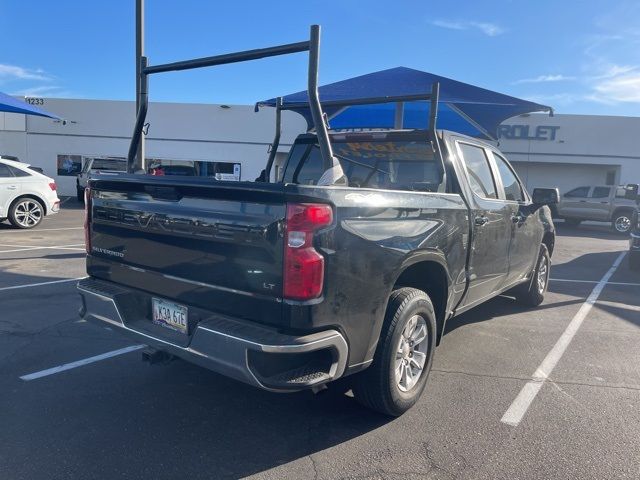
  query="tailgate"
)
[{"x": 199, "y": 242}]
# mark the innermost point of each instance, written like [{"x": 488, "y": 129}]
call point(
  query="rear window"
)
[
  {"x": 17, "y": 172},
  {"x": 386, "y": 163},
  {"x": 109, "y": 164}
]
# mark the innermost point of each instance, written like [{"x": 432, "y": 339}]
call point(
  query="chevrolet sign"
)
[{"x": 528, "y": 132}]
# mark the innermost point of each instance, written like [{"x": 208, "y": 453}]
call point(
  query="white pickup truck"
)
[{"x": 103, "y": 166}]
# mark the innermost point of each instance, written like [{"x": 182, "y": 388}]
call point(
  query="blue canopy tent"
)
[
  {"x": 462, "y": 107},
  {"x": 13, "y": 105}
]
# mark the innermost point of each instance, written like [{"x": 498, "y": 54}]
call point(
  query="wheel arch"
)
[
  {"x": 428, "y": 272},
  {"x": 549, "y": 240},
  {"x": 619, "y": 210},
  {"x": 32, "y": 196}
]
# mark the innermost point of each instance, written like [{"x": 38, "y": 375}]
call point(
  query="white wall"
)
[
  {"x": 177, "y": 131},
  {"x": 583, "y": 150},
  {"x": 585, "y": 147}
]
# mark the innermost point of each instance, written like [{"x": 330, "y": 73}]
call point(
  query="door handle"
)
[
  {"x": 605, "y": 203},
  {"x": 518, "y": 218},
  {"x": 582, "y": 201},
  {"x": 12, "y": 187},
  {"x": 480, "y": 221}
]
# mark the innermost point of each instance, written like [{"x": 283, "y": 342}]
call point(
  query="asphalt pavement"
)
[{"x": 570, "y": 370}]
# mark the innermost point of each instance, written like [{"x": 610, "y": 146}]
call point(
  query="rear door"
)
[
  {"x": 574, "y": 203},
  {"x": 526, "y": 229},
  {"x": 599, "y": 203},
  {"x": 9, "y": 188},
  {"x": 491, "y": 223}
]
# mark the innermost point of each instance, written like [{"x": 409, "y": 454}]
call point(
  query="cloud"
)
[
  {"x": 489, "y": 29},
  {"x": 50, "y": 91},
  {"x": 544, "y": 79},
  {"x": 618, "y": 89},
  {"x": 555, "y": 99},
  {"x": 15, "y": 72}
]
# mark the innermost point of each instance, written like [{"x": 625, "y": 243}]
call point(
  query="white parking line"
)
[
  {"x": 42, "y": 230},
  {"x": 593, "y": 281},
  {"x": 80, "y": 363},
  {"x": 26, "y": 249},
  {"x": 16, "y": 287},
  {"x": 521, "y": 404}
]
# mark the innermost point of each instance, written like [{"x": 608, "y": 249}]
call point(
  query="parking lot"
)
[{"x": 552, "y": 392}]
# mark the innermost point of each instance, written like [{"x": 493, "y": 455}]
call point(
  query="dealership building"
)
[{"x": 562, "y": 151}]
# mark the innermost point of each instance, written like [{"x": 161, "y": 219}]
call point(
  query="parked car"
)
[
  {"x": 26, "y": 196},
  {"x": 602, "y": 203},
  {"x": 156, "y": 168},
  {"x": 291, "y": 285},
  {"x": 16, "y": 159},
  {"x": 102, "y": 166}
]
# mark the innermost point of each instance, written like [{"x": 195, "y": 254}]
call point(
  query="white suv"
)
[{"x": 26, "y": 196}]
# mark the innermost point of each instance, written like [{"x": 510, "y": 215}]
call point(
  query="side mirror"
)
[
  {"x": 545, "y": 196},
  {"x": 631, "y": 191}
]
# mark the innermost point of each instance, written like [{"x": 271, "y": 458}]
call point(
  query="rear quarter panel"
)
[{"x": 376, "y": 235}]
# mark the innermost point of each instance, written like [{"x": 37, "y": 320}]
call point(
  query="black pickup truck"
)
[{"x": 294, "y": 283}]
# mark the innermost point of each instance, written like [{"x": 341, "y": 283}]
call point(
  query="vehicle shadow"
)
[
  {"x": 71, "y": 203},
  {"x": 123, "y": 417},
  {"x": 588, "y": 230},
  {"x": 52, "y": 256},
  {"x": 590, "y": 267}
]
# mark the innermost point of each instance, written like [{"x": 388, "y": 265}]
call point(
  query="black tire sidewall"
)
[
  {"x": 421, "y": 305},
  {"x": 532, "y": 296}
]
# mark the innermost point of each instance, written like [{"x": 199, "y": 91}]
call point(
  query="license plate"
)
[{"x": 170, "y": 315}]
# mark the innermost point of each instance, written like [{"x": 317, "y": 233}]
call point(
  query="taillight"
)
[
  {"x": 87, "y": 220},
  {"x": 303, "y": 265},
  {"x": 53, "y": 186}
]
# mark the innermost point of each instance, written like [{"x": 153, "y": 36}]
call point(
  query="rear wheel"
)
[
  {"x": 621, "y": 222},
  {"x": 396, "y": 378},
  {"x": 532, "y": 292},
  {"x": 26, "y": 213}
]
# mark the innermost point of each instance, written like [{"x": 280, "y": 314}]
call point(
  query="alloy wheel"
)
[
  {"x": 411, "y": 353},
  {"x": 622, "y": 224},
  {"x": 28, "y": 213},
  {"x": 543, "y": 274}
]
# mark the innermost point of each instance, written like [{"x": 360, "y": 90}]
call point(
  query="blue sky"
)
[{"x": 576, "y": 56}]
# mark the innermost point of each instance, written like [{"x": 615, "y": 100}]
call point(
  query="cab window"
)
[
  {"x": 601, "y": 192},
  {"x": 577, "y": 192},
  {"x": 512, "y": 188},
  {"x": 479, "y": 171},
  {"x": 385, "y": 162}
]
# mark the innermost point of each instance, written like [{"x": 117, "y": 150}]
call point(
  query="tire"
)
[
  {"x": 409, "y": 314},
  {"x": 80, "y": 194},
  {"x": 634, "y": 261},
  {"x": 26, "y": 213},
  {"x": 573, "y": 222},
  {"x": 532, "y": 292},
  {"x": 622, "y": 221}
]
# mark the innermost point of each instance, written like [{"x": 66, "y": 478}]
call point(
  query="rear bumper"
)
[{"x": 245, "y": 351}]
